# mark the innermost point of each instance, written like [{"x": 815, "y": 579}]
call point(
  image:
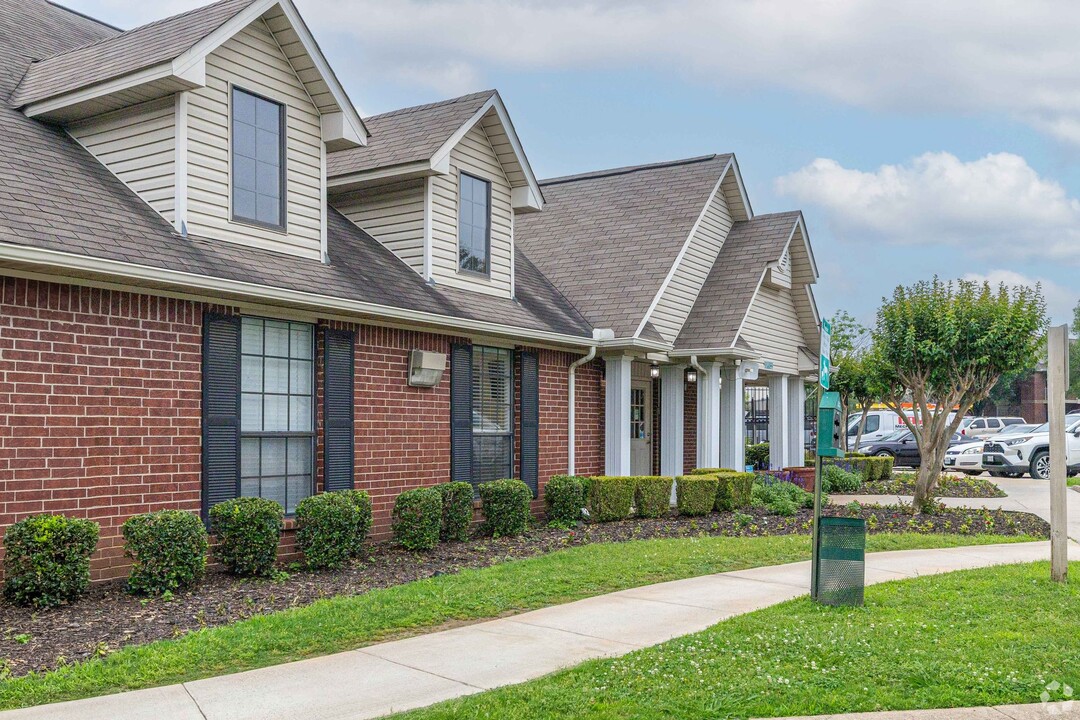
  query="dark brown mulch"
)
[
  {"x": 108, "y": 618},
  {"x": 953, "y": 486}
]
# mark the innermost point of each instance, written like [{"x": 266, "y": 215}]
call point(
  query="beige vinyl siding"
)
[
  {"x": 253, "y": 61},
  {"x": 682, "y": 290},
  {"x": 393, "y": 215},
  {"x": 138, "y": 145},
  {"x": 772, "y": 328},
  {"x": 474, "y": 155}
]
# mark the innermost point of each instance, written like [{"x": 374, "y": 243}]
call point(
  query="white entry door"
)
[{"x": 641, "y": 427}]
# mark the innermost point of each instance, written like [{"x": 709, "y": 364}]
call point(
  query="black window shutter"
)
[
  {"x": 461, "y": 441},
  {"x": 530, "y": 421},
  {"x": 220, "y": 409},
  {"x": 338, "y": 433}
]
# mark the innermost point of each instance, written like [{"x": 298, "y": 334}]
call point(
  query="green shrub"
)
[
  {"x": 418, "y": 518},
  {"x": 331, "y": 527},
  {"x": 652, "y": 496},
  {"x": 758, "y": 455},
  {"x": 711, "y": 471},
  {"x": 564, "y": 496},
  {"x": 167, "y": 550},
  {"x": 610, "y": 498},
  {"x": 506, "y": 507},
  {"x": 457, "y": 510},
  {"x": 696, "y": 494},
  {"x": 835, "y": 479},
  {"x": 884, "y": 468},
  {"x": 783, "y": 506},
  {"x": 772, "y": 495},
  {"x": 248, "y": 530},
  {"x": 733, "y": 490},
  {"x": 47, "y": 560}
]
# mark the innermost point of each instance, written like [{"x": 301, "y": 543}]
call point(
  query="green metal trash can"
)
[{"x": 841, "y": 572}]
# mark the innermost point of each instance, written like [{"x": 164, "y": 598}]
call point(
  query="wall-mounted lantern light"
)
[
  {"x": 654, "y": 371},
  {"x": 426, "y": 368},
  {"x": 691, "y": 376}
]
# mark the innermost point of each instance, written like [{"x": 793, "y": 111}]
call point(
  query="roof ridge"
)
[
  {"x": 85, "y": 16},
  {"x": 437, "y": 103},
  {"x": 134, "y": 29},
  {"x": 630, "y": 169}
]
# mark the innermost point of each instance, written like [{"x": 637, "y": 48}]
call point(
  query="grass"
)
[
  {"x": 979, "y": 637},
  {"x": 345, "y": 623},
  {"x": 1072, "y": 481}
]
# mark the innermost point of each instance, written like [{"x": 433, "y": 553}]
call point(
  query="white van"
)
[{"x": 879, "y": 423}]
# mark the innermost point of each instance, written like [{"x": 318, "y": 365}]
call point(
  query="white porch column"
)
[
  {"x": 617, "y": 414},
  {"x": 708, "y": 416},
  {"x": 796, "y": 410},
  {"x": 779, "y": 422},
  {"x": 733, "y": 424},
  {"x": 671, "y": 420}
]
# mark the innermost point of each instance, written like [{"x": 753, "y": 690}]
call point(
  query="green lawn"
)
[
  {"x": 349, "y": 622},
  {"x": 979, "y": 637}
]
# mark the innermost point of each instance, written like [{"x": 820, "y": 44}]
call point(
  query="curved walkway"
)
[{"x": 381, "y": 679}]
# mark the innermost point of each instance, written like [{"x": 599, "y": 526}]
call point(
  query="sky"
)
[{"x": 919, "y": 138}]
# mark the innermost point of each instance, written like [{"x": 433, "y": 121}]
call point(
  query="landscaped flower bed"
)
[
  {"x": 956, "y": 486},
  {"x": 108, "y": 617}
]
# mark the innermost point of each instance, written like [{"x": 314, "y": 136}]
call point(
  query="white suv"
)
[{"x": 1014, "y": 456}]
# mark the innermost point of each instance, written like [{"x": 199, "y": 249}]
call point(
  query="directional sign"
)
[{"x": 825, "y": 365}]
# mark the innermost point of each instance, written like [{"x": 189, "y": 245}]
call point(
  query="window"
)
[
  {"x": 637, "y": 414},
  {"x": 474, "y": 224},
  {"x": 277, "y": 427},
  {"x": 978, "y": 425},
  {"x": 873, "y": 424},
  {"x": 492, "y": 414},
  {"x": 258, "y": 160}
]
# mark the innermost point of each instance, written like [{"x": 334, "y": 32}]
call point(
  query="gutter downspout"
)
[{"x": 570, "y": 461}]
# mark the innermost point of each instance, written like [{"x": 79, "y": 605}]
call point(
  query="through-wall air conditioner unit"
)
[{"x": 426, "y": 368}]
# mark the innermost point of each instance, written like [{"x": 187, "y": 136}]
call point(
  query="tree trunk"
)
[
  {"x": 862, "y": 428},
  {"x": 933, "y": 451}
]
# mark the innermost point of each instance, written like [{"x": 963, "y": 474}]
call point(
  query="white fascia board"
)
[
  {"x": 534, "y": 200},
  {"x": 684, "y": 249},
  {"x": 730, "y": 352},
  {"x": 350, "y": 181},
  {"x": 250, "y": 14},
  {"x": 742, "y": 189},
  {"x": 52, "y": 259},
  {"x": 337, "y": 133},
  {"x": 189, "y": 77},
  {"x": 809, "y": 248},
  {"x": 631, "y": 344},
  {"x": 746, "y": 313}
]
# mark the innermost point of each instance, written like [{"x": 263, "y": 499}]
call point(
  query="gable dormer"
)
[
  {"x": 220, "y": 119},
  {"x": 438, "y": 185}
]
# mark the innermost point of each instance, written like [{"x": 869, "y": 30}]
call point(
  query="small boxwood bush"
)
[
  {"x": 711, "y": 471},
  {"x": 47, "y": 559},
  {"x": 167, "y": 550},
  {"x": 331, "y": 527},
  {"x": 757, "y": 454},
  {"x": 457, "y": 510},
  {"x": 418, "y": 518},
  {"x": 610, "y": 498},
  {"x": 835, "y": 479},
  {"x": 652, "y": 496},
  {"x": 733, "y": 490},
  {"x": 696, "y": 494},
  {"x": 506, "y": 507},
  {"x": 248, "y": 530},
  {"x": 564, "y": 496}
]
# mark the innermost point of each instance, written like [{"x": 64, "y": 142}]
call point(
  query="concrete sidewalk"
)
[
  {"x": 405, "y": 674},
  {"x": 1038, "y": 711}
]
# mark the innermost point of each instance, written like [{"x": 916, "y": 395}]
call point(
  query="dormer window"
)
[
  {"x": 474, "y": 225},
  {"x": 258, "y": 160}
]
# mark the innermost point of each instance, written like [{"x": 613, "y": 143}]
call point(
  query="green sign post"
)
[
  {"x": 825, "y": 361},
  {"x": 829, "y": 429}
]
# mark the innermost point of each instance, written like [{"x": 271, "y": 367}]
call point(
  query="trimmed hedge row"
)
[
  {"x": 696, "y": 494},
  {"x": 424, "y": 516},
  {"x": 733, "y": 490},
  {"x": 872, "y": 468},
  {"x": 564, "y": 497},
  {"x": 506, "y": 507}
]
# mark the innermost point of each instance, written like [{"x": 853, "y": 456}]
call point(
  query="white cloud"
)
[
  {"x": 969, "y": 56},
  {"x": 997, "y": 205},
  {"x": 1060, "y": 300}
]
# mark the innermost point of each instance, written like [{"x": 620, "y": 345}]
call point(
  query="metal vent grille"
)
[{"x": 842, "y": 568}]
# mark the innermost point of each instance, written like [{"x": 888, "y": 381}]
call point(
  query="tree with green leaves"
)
[
  {"x": 943, "y": 346},
  {"x": 849, "y": 370}
]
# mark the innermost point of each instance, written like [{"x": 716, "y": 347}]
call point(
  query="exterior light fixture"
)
[
  {"x": 654, "y": 371},
  {"x": 426, "y": 368},
  {"x": 691, "y": 376}
]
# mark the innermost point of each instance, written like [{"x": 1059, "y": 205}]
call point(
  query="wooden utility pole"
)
[{"x": 1058, "y": 361}]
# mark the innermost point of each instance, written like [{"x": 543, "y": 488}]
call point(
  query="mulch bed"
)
[
  {"x": 108, "y": 618},
  {"x": 953, "y": 486}
]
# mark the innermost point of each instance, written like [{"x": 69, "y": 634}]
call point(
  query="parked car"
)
[
  {"x": 981, "y": 427},
  {"x": 1030, "y": 453},
  {"x": 902, "y": 447},
  {"x": 967, "y": 457}
]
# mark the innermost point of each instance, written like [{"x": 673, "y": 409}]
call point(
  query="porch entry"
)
[{"x": 641, "y": 427}]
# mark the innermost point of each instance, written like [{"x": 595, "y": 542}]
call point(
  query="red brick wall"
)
[
  {"x": 690, "y": 427},
  {"x": 589, "y": 419},
  {"x": 99, "y": 406}
]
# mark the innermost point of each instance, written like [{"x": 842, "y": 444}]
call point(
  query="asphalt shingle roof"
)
[
  {"x": 729, "y": 289},
  {"x": 91, "y": 213},
  {"x": 608, "y": 239},
  {"x": 408, "y": 135},
  {"x": 58, "y": 72}
]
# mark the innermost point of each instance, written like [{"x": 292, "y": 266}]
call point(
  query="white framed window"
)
[
  {"x": 474, "y": 224},
  {"x": 258, "y": 159}
]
